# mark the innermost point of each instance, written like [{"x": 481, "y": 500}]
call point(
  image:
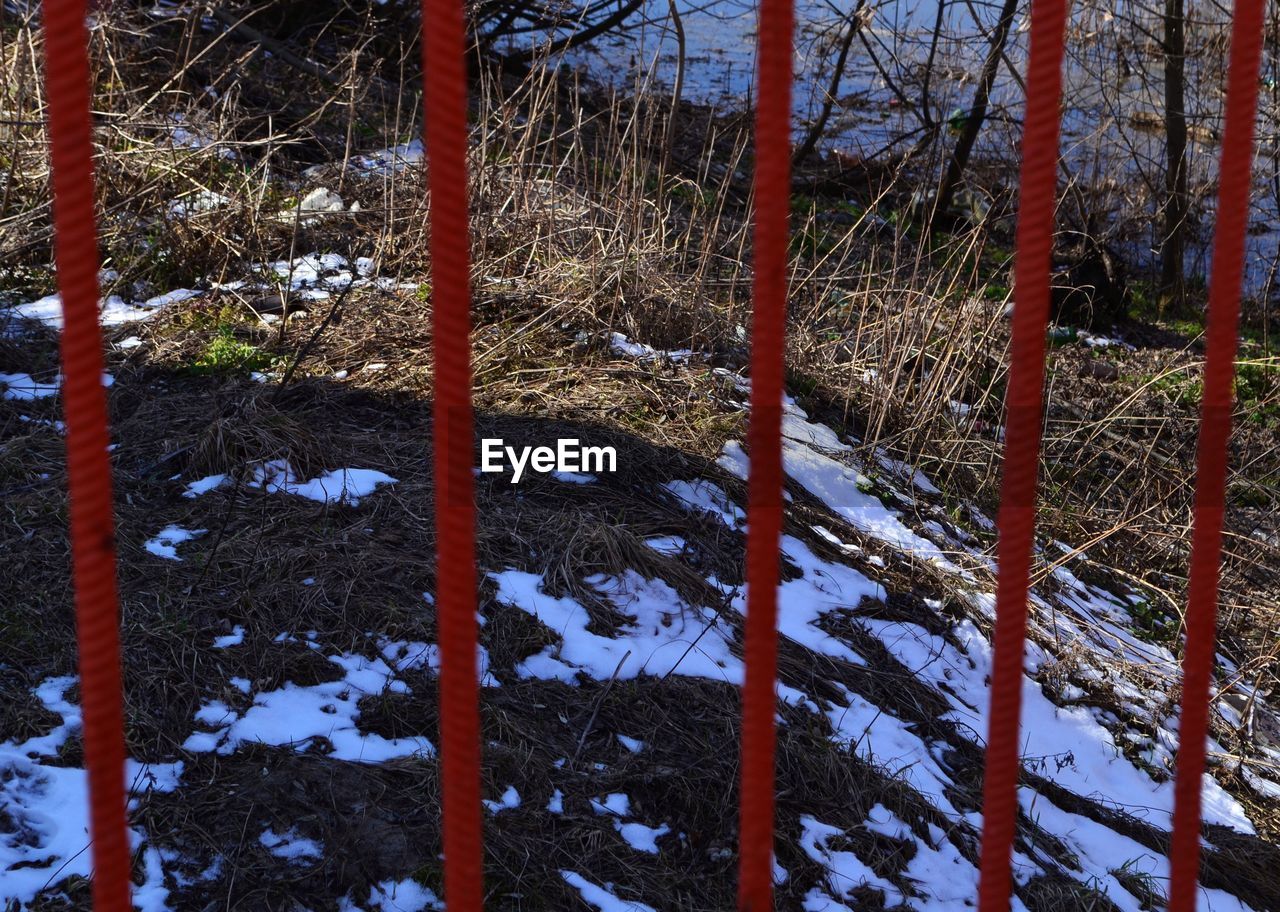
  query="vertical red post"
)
[
  {"x": 1037, "y": 198},
  {"x": 1234, "y": 174},
  {"x": 445, "y": 101},
  {"x": 764, "y": 523},
  {"x": 88, "y": 465}
]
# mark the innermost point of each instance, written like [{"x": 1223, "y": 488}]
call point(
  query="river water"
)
[{"x": 1112, "y": 143}]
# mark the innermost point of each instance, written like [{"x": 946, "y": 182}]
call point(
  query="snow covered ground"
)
[{"x": 1098, "y": 729}]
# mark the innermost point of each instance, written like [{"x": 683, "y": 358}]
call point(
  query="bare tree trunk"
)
[
  {"x": 678, "y": 89},
  {"x": 1173, "y": 241},
  {"x": 857, "y": 21},
  {"x": 977, "y": 113}
]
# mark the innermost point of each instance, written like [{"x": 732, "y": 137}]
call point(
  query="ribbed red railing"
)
[
  {"x": 1037, "y": 196},
  {"x": 84, "y": 403},
  {"x": 445, "y": 137},
  {"x": 1234, "y": 172},
  {"x": 772, "y": 207},
  {"x": 445, "y": 106}
]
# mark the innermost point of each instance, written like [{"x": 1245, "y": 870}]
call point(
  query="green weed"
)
[{"x": 226, "y": 354}]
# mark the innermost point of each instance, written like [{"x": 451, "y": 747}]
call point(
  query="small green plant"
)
[
  {"x": 1189, "y": 327},
  {"x": 1152, "y": 624},
  {"x": 227, "y": 354},
  {"x": 1258, "y": 391},
  {"x": 1183, "y": 390}
]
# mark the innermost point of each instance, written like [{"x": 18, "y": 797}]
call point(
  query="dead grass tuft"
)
[{"x": 252, "y": 430}]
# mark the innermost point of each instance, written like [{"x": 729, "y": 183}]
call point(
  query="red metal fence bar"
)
[
  {"x": 1234, "y": 174},
  {"x": 764, "y": 517},
  {"x": 84, "y": 403},
  {"x": 445, "y": 124},
  {"x": 1037, "y": 196}
]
